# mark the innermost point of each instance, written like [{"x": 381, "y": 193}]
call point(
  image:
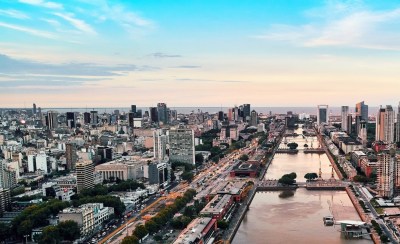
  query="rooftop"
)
[
  {"x": 216, "y": 205},
  {"x": 194, "y": 231}
]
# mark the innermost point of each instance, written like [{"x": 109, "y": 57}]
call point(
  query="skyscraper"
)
[
  {"x": 345, "y": 113},
  {"x": 133, "y": 108},
  {"x": 362, "y": 110},
  {"x": 363, "y": 133},
  {"x": 398, "y": 124},
  {"x": 71, "y": 119},
  {"x": 221, "y": 116},
  {"x": 322, "y": 116},
  {"x": 34, "y": 109},
  {"x": 254, "y": 118},
  {"x": 385, "y": 124},
  {"x": 385, "y": 175},
  {"x": 86, "y": 118},
  {"x": 70, "y": 155},
  {"x": 94, "y": 117},
  {"x": 153, "y": 114},
  {"x": 246, "y": 111},
  {"x": 181, "y": 143},
  {"x": 162, "y": 112},
  {"x": 160, "y": 144},
  {"x": 52, "y": 120},
  {"x": 84, "y": 175},
  {"x": 349, "y": 124}
]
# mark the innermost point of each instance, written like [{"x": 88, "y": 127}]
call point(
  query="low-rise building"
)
[
  {"x": 217, "y": 207},
  {"x": 200, "y": 230}
]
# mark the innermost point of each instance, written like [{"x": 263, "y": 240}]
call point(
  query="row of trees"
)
[
  {"x": 189, "y": 213},
  {"x": 158, "y": 221},
  {"x": 64, "y": 231},
  {"x": 36, "y": 216}
]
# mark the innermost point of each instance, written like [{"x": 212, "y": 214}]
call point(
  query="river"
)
[{"x": 296, "y": 216}]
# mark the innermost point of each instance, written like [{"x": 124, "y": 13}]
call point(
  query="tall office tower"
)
[
  {"x": 94, "y": 117},
  {"x": 131, "y": 117},
  {"x": 236, "y": 113},
  {"x": 345, "y": 113},
  {"x": 398, "y": 124},
  {"x": 385, "y": 124},
  {"x": 133, "y": 108},
  {"x": 153, "y": 114},
  {"x": 162, "y": 111},
  {"x": 138, "y": 113},
  {"x": 40, "y": 113},
  {"x": 160, "y": 144},
  {"x": 322, "y": 116},
  {"x": 361, "y": 114},
  {"x": 246, "y": 111},
  {"x": 84, "y": 175},
  {"x": 52, "y": 120},
  {"x": 5, "y": 200},
  {"x": 70, "y": 155},
  {"x": 349, "y": 124},
  {"x": 71, "y": 119},
  {"x": 34, "y": 109},
  {"x": 254, "y": 118},
  {"x": 86, "y": 118},
  {"x": 363, "y": 133},
  {"x": 387, "y": 173},
  {"x": 230, "y": 114},
  {"x": 221, "y": 116},
  {"x": 181, "y": 145}
]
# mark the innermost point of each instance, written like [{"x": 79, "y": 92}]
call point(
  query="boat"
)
[{"x": 328, "y": 220}]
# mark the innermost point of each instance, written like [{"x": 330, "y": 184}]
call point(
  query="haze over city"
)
[{"x": 191, "y": 53}]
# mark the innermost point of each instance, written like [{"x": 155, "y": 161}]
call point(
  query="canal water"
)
[{"x": 296, "y": 216}]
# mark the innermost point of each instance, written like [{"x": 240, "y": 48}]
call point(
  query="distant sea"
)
[{"x": 187, "y": 110}]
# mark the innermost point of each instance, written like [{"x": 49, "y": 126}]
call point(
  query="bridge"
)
[{"x": 273, "y": 185}]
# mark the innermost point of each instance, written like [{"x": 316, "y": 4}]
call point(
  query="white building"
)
[
  {"x": 385, "y": 124},
  {"x": 344, "y": 114},
  {"x": 160, "y": 144},
  {"x": 387, "y": 173},
  {"x": 38, "y": 162}
]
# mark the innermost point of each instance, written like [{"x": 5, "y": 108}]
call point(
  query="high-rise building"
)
[
  {"x": 363, "y": 133},
  {"x": 86, "y": 118},
  {"x": 94, "y": 117},
  {"x": 246, "y": 112},
  {"x": 253, "y": 118},
  {"x": 159, "y": 173},
  {"x": 153, "y": 114},
  {"x": 236, "y": 113},
  {"x": 160, "y": 144},
  {"x": 385, "y": 125},
  {"x": 398, "y": 124},
  {"x": 181, "y": 144},
  {"x": 221, "y": 116},
  {"x": 5, "y": 200},
  {"x": 322, "y": 116},
  {"x": 349, "y": 124},
  {"x": 133, "y": 109},
  {"x": 84, "y": 175},
  {"x": 230, "y": 114},
  {"x": 362, "y": 110},
  {"x": 34, "y": 109},
  {"x": 52, "y": 120},
  {"x": 387, "y": 173},
  {"x": 131, "y": 117},
  {"x": 71, "y": 119},
  {"x": 345, "y": 113},
  {"x": 71, "y": 155},
  {"x": 162, "y": 112}
]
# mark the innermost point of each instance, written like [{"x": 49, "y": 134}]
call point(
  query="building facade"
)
[
  {"x": 385, "y": 124},
  {"x": 181, "y": 143},
  {"x": 84, "y": 175}
]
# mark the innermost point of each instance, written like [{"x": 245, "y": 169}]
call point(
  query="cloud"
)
[
  {"x": 30, "y": 31},
  {"x": 77, "y": 23},
  {"x": 23, "y": 67},
  {"x": 52, "y": 22},
  {"x": 210, "y": 80},
  {"x": 187, "y": 67},
  {"x": 14, "y": 14},
  {"x": 41, "y": 3},
  {"x": 164, "y": 55},
  {"x": 344, "y": 25}
]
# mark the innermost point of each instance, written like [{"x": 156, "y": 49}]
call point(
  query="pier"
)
[
  {"x": 288, "y": 151},
  {"x": 314, "y": 150},
  {"x": 326, "y": 185}
]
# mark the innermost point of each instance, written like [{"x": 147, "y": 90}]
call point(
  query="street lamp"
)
[{"x": 26, "y": 238}]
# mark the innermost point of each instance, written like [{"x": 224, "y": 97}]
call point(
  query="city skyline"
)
[{"x": 104, "y": 54}]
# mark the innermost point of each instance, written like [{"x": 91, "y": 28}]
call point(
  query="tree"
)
[
  {"x": 69, "y": 230},
  {"x": 311, "y": 176},
  {"x": 50, "y": 235},
  {"x": 5, "y": 231},
  {"x": 244, "y": 157},
  {"x": 188, "y": 176},
  {"x": 199, "y": 159},
  {"x": 288, "y": 179},
  {"x": 222, "y": 224},
  {"x": 151, "y": 226},
  {"x": 140, "y": 231},
  {"x": 130, "y": 240},
  {"x": 292, "y": 145}
]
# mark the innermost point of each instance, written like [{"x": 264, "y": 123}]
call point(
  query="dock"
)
[{"x": 326, "y": 185}]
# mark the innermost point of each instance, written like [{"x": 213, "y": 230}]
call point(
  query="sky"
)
[{"x": 101, "y": 53}]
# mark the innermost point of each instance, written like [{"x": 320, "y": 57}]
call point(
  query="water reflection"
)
[{"x": 296, "y": 216}]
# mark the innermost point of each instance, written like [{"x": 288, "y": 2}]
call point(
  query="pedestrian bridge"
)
[{"x": 273, "y": 185}]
